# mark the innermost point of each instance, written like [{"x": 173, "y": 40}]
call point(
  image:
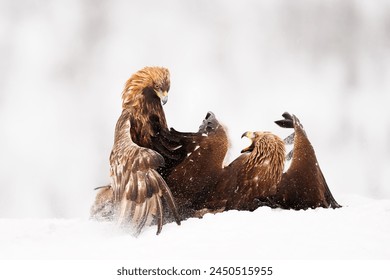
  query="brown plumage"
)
[
  {"x": 303, "y": 185},
  {"x": 147, "y": 157},
  {"x": 138, "y": 195},
  {"x": 160, "y": 174},
  {"x": 256, "y": 177},
  {"x": 251, "y": 178},
  {"x": 138, "y": 189},
  {"x": 192, "y": 179},
  {"x": 145, "y": 93}
]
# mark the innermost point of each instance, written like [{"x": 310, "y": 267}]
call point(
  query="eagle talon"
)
[{"x": 209, "y": 124}]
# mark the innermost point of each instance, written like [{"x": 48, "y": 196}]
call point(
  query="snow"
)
[{"x": 360, "y": 231}]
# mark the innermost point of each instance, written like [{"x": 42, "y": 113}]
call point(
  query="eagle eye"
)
[{"x": 156, "y": 86}]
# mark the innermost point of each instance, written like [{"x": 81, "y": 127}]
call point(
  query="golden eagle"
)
[
  {"x": 138, "y": 195},
  {"x": 153, "y": 166}
]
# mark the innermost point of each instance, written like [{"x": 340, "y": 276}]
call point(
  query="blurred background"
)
[{"x": 63, "y": 65}]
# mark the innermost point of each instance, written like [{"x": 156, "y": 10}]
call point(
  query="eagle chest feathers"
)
[
  {"x": 265, "y": 164},
  {"x": 143, "y": 129},
  {"x": 143, "y": 95}
]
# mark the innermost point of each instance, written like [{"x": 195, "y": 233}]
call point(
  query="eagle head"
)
[
  {"x": 266, "y": 149},
  {"x": 264, "y": 144},
  {"x": 258, "y": 139},
  {"x": 150, "y": 84}
]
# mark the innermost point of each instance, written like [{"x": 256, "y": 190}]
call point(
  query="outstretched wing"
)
[
  {"x": 303, "y": 185},
  {"x": 195, "y": 161},
  {"x": 140, "y": 193}
]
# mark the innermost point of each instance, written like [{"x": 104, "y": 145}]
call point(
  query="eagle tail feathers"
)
[{"x": 145, "y": 208}]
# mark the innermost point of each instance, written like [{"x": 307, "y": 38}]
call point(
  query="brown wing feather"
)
[
  {"x": 303, "y": 185},
  {"x": 138, "y": 189},
  {"x": 251, "y": 191},
  {"x": 220, "y": 195},
  {"x": 191, "y": 179},
  {"x": 138, "y": 195}
]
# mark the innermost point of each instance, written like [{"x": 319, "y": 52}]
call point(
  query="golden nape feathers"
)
[
  {"x": 146, "y": 81},
  {"x": 268, "y": 152},
  {"x": 144, "y": 94}
]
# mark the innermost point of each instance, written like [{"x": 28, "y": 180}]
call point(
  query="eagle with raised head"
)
[
  {"x": 138, "y": 195},
  {"x": 153, "y": 166},
  {"x": 144, "y": 94}
]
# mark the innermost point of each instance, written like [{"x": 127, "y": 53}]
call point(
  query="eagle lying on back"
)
[
  {"x": 160, "y": 175},
  {"x": 256, "y": 178}
]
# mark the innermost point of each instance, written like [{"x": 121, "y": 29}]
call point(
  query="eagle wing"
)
[
  {"x": 139, "y": 192},
  {"x": 220, "y": 198},
  {"x": 303, "y": 185},
  {"x": 195, "y": 161}
]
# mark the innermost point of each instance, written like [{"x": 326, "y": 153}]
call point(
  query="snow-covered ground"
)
[{"x": 359, "y": 230}]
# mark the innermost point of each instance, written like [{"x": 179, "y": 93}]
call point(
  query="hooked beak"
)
[
  {"x": 251, "y": 136},
  {"x": 248, "y": 134},
  {"x": 163, "y": 95}
]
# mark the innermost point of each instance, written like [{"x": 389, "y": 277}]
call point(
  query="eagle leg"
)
[
  {"x": 303, "y": 185},
  {"x": 287, "y": 122}
]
